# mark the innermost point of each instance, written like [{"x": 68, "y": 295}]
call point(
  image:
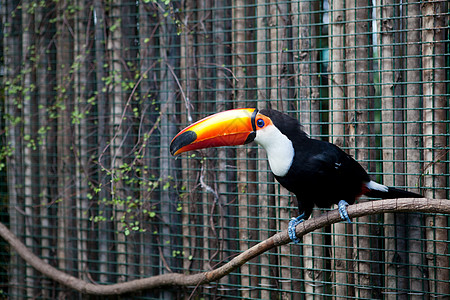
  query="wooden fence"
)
[{"x": 94, "y": 91}]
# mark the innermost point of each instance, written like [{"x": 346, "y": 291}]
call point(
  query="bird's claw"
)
[
  {"x": 342, "y": 207},
  {"x": 291, "y": 228}
]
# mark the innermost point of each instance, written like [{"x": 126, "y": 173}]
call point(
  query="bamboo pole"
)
[
  {"x": 305, "y": 18},
  {"x": 30, "y": 168},
  {"x": 417, "y": 286},
  {"x": 266, "y": 201},
  {"x": 341, "y": 254},
  {"x": 279, "y": 91},
  {"x": 66, "y": 246},
  {"x": 148, "y": 54},
  {"x": 204, "y": 66},
  {"x": 250, "y": 93},
  {"x": 167, "y": 97},
  {"x": 358, "y": 36},
  {"x": 118, "y": 128},
  {"x": 45, "y": 85},
  {"x": 81, "y": 132},
  {"x": 239, "y": 60},
  {"x": 103, "y": 228},
  {"x": 130, "y": 75},
  {"x": 192, "y": 206},
  {"x": 435, "y": 141},
  {"x": 392, "y": 140},
  {"x": 222, "y": 96},
  {"x": 12, "y": 59}
]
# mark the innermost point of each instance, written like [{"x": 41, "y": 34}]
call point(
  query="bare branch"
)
[{"x": 174, "y": 279}]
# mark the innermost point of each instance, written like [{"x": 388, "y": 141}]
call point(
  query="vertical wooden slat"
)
[
  {"x": 103, "y": 256},
  {"x": 66, "y": 251},
  {"x": 167, "y": 96},
  {"x": 250, "y": 94},
  {"x": 278, "y": 100},
  {"x": 305, "y": 18},
  {"x": 148, "y": 19},
  {"x": 81, "y": 132},
  {"x": 414, "y": 143},
  {"x": 51, "y": 141},
  {"x": 11, "y": 18},
  {"x": 132, "y": 157},
  {"x": 222, "y": 97},
  {"x": 337, "y": 81},
  {"x": 45, "y": 86},
  {"x": 118, "y": 130},
  {"x": 262, "y": 49},
  {"x": 435, "y": 141},
  {"x": 189, "y": 81},
  {"x": 239, "y": 69},
  {"x": 205, "y": 67},
  {"x": 29, "y": 133},
  {"x": 263, "y": 94},
  {"x": 389, "y": 26},
  {"x": 358, "y": 36},
  {"x": 238, "y": 51}
]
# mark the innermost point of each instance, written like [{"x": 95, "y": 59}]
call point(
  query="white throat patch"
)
[{"x": 280, "y": 151}]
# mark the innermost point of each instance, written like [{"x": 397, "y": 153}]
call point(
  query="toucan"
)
[{"x": 318, "y": 172}]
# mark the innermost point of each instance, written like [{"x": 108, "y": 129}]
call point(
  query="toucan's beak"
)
[{"x": 228, "y": 128}]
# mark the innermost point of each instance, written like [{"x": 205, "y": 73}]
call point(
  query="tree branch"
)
[{"x": 175, "y": 279}]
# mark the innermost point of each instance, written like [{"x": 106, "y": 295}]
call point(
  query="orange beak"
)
[{"x": 228, "y": 128}]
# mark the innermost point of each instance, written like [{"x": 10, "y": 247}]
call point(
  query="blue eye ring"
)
[{"x": 260, "y": 123}]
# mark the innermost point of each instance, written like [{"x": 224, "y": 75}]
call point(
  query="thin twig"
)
[
  {"x": 186, "y": 100},
  {"x": 127, "y": 104},
  {"x": 205, "y": 186},
  {"x": 221, "y": 67},
  {"x": 430, "y": 164}
]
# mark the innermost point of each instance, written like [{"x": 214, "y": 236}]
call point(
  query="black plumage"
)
[{"x": 321, "y": 173}]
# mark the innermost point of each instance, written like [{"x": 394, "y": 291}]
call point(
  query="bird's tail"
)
[{"x": 376, "y": 190}]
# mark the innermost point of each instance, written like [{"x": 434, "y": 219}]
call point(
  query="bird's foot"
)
[
  {"x": 291, "y": 228},
  {"x": 342, "y": 207}
]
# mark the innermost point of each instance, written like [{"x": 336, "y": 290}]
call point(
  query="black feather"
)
[
  {"x": 287, "y": 125},
  {"x": 392, "y": 193},
  {"x": 321, "y": 173}
]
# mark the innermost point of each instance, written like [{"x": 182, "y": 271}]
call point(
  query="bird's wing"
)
[{"x": 336, "y": 175}]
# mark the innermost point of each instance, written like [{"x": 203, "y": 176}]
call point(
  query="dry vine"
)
[{"x": 175, "y": 279}]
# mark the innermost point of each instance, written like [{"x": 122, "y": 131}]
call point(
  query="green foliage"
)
[
  {"x": 127, "y": 183},
  {"x": 130, "y": 186},
  {"x": 5, "y": 151}
]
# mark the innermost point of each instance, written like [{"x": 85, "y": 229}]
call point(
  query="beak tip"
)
[
  {"x": 182, "y": 140},
  {"x": 173, "y": 149}
]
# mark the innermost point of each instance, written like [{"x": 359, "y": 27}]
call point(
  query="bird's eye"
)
[{"x": 260, "y": 123}]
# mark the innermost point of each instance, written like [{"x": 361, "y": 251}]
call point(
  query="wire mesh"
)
[{"x": 93, "y": 92}]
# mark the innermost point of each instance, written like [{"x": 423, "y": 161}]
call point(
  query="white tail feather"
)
[{"x": 372, "y": 185}]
